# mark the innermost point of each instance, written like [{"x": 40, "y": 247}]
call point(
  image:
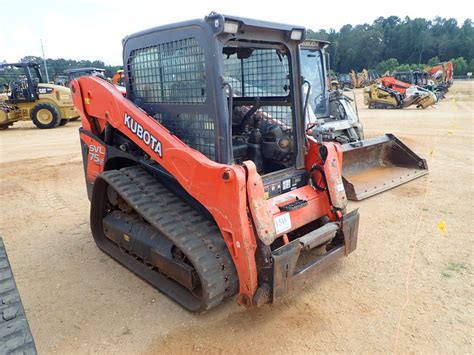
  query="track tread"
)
[
  {"x": 15, "y": 334},
  {"x": 198, "y": 237}
]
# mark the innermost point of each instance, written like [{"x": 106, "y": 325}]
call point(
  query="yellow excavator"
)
[
  {"x": 26, "y": 96},
  {"x": 364, "y": 78},
  {"x": 359, "y": 80}
]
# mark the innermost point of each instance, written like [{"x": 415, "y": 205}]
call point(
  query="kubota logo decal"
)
[{"x": 143, "y": 134}]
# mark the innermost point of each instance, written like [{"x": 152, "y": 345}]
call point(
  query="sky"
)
[{"x": 94, "y": 29}]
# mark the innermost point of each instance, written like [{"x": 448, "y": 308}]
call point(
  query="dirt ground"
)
[{"x": 407, "y": 288}]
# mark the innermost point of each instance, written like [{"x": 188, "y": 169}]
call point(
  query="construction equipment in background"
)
[
  {"x": 119, "y": 81},
  {"x": 119, "y": 78},
  {"x": 356, "y": 79},
  {"x": 377, "y": 96},
  {"x": 345, "y": 81},
  {"x": 328, "y": 108},
  {"x": 47, "y": 105},
  {"x": 390, "y": 93},
  {"x": 88, "y": 71},
  {"x": 372, "y": 75},
  {"x": 15, "y": 333},
  {"x": 202, "y": 180},
  {"x": 412, "y": 94},
  {"x": 9, "y": 114},
  {"x": 380, "y": 97},
  {"x": 422, "y": 79},
  {"x": 364, "y": 78},
  {"x": 370, "y": 166},
  {"x": 412, "y": 77},
  {"x": 60, "y": 80},
  {"x": 442, "y": 73}
]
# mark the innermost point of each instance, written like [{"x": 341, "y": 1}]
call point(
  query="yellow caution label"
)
[
  {"x": 126, "y": 238},
  {"x": 87, "y": 101}
]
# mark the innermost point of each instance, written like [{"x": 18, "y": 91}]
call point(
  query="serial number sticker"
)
[
  {"x": 286, "y": 184},
  {"x": 340, "y": 187},
  {"x": 282, "y": 223}
]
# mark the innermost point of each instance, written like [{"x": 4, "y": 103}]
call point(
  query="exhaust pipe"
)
[{"x": 375, "y": 165}]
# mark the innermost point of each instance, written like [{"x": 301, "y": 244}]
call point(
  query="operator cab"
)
[
  {"x": 259, "y": 81},
  {"x": 228, "y": 87},
  {"x": 20, "y": 81},
  {"x": 329, "y": 113},
  {"x": 313, "y": 64}
]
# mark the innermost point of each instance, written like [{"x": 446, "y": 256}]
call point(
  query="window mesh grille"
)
[
  {"x": 276, "y": 115},
  {"x": 171, "y": 72},
  {"x": 263, "y": 73},
  {"x": 194, "y": 129}
]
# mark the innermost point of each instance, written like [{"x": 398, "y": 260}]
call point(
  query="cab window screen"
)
[
  {"x": 171, "y": 72},
  {"x": 256, "y": 71}
]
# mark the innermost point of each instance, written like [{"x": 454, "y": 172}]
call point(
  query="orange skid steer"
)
[{"x": 202, "y": 180}]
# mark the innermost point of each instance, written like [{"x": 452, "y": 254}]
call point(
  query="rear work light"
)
[
  {"x": 231, "y": 27},
  {"x": 296, "y": 35}
]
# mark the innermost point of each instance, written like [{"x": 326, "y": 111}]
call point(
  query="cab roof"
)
[
  {"x": 20, "y": 65},
  {"x": 216, "y": 22}
]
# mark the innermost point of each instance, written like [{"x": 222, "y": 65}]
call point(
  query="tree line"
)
[
  {"x": 399, "y": 44},
  {"x": 385, "y": 45},
  {"x": 57, "y": 66}
]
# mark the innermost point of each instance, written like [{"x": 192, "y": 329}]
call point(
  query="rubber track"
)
[
  {"x": 15, "y": 334},
  {"x": 196, "y": 236}
]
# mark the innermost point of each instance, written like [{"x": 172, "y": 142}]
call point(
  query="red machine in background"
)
[
  {"x": 390, "y": 93},
  {"x": 442, "y": 73}
]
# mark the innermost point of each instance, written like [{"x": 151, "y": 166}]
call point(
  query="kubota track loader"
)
[
  {"x": 370, "y": 166},
  {"x": 202, "y": 180}
]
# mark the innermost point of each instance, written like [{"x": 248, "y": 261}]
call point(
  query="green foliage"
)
[
  {"x": 403, "y": 67},
  {"x": 411, "y": 42},
  {"x": 433, "y": 61},
  {"x": 387, "y": 65},
  {"x": 6, "y": 75},
  {"x": 453, "y": 267},
  {"x": 456, "y": 266},
  {"x": 471, "y": 66},
  {"x": 460, "y": 66}
]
